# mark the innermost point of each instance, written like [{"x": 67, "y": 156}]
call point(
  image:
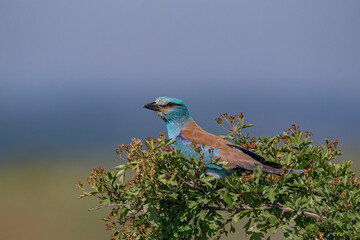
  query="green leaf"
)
[
  {"x": 240, "y": 215},
  {"x": 271, "y": 194},
  {"x": 229, "y": 201}
]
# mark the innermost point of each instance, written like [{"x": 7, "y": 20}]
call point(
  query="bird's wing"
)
[
  {"x": 234, "y": 156},
  {"x": 255, "y": 156},
  {"x": 193, "y": 133}
]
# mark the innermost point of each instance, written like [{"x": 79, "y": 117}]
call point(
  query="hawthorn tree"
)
[{"x": 171, "y": 197}]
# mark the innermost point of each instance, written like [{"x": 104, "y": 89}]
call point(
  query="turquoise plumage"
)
[{"x": 182, "y": 128}]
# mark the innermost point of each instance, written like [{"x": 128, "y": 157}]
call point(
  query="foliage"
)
[{"x": 172, "y": 198}]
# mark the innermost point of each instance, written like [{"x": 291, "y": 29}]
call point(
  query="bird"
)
[{"x": 185, "y": 132}]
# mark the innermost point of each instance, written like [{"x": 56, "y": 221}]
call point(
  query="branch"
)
[
  {"x": 305, "y": 213},
  {"x": 113, "y": 205},
  {"x": 268, "y": 207}
]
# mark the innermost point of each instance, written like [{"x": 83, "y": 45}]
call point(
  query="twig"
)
[
  {"x": 113, "y": 205},
  {"x": 189, "y": 184}
]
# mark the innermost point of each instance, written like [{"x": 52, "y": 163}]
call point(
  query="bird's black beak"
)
[{"x": 152, "y": 106}]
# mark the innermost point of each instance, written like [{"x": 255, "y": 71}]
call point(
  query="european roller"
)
[{"x": 183, "y": 129}]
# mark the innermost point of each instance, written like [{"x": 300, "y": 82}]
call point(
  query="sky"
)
[{"x": 74, "y": 75}]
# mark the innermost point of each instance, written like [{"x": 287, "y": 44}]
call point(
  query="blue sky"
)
[{"x": 75, "y": 74}]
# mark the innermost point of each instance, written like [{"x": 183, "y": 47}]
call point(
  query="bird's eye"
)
[{"x": 170, "y": 104}]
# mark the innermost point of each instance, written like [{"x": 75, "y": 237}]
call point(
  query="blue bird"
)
[{"x": 182, "y": 128}]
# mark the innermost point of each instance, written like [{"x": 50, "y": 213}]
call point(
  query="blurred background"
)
[{"x": 74, "y": 76}]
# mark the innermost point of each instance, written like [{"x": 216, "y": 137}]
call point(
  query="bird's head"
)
[{"x": 169, "y": 109}]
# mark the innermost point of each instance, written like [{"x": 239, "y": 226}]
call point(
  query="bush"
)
[{"x": 172, "y": 198}]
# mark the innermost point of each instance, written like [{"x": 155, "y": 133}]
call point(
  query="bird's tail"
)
[{"x": 296, "y": 171}]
